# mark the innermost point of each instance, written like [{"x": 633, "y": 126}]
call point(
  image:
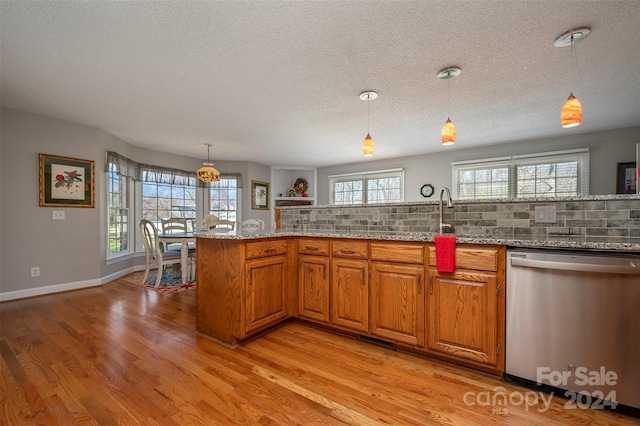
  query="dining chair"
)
[
  {"x": 251, "y": 225},
  {"x": 222, "y": 225},
  {"x": 204, "y": 224},
  {"x": 154, "y": 250},
  {"x": 174, "y": 225}
]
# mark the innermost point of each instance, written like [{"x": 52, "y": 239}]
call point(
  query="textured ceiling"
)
[{"x": 277, "y": 82}]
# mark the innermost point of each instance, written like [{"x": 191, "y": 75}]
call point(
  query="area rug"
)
[{"x": 169, "y": 283}]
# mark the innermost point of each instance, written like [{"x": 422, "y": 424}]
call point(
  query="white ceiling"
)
[{"x": 277, "y": 82}]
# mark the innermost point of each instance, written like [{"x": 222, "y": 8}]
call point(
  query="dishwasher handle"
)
[{"x": 575, "y": 266}]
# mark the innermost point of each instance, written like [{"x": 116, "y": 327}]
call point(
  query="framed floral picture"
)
[
  {"x": 66, "y": 182},
  {"x": 259, "y": 195}
]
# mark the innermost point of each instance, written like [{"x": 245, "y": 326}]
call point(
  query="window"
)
[
  {"x": 383, "y": 186},
  {"x": 224, "y": 197},
  {"x": 552, "y": 174},
  {"x": 118, "y": 238},
  {"x": 166, "y": 194}
]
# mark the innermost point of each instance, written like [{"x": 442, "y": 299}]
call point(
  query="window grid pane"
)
[
  {"x": 164, "y": 200},
  {"x": 118, "y": 238},
  {"x": 370, "y": 188},
  {"x": 492, "y": 182},
  {"x": 553, "y": 174},
  {"x": 224, "y": 199}
]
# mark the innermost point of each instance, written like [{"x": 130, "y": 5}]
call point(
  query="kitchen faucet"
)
[{"x": 449, "y": 205}]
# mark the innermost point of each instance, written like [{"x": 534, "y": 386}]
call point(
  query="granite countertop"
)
[{"x": 575, "y": 242}]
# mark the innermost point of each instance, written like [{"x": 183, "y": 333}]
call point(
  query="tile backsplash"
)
[{"x": 596, "y": 215}]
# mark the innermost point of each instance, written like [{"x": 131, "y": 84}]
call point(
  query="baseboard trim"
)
[{"x": 58, "y": 288}]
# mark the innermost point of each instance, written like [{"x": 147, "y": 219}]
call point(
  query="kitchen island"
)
[{"x": 380, "y": 287}]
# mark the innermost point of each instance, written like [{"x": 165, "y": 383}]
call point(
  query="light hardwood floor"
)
[{"x": 120, "y": 354}]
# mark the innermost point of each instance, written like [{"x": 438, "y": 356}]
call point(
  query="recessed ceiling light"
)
[
  {"x": 449, "y": 72},
  {"x": 564, "y": 39},
  {"x": 368, "y": 95}
]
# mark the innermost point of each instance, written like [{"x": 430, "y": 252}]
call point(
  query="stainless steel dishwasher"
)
[{"x": 573, "y": 326}]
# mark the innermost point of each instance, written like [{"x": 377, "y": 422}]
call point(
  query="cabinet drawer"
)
[
  {"x": 350, "y": 248},
  {"x": 266, "y": 248},
  {"x": 398, "y": 252},
  {"x": 478, "y": 258},
  {"x": 313, "y": 246}
]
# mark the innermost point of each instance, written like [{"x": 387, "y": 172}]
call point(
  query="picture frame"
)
[
  {"x": 66, "y": 182},
  {"x": 627, "y": 178},
  {"x": 259, "y": 195}
]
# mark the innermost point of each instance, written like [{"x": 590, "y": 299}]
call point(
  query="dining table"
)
[{"x": 184, "y": 238}]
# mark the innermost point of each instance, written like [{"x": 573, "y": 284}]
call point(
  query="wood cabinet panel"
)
[
  {"x": 398, "y": 252},
  {"x": 266, "y": 248},
  {"x": 479, "y": 258},
  {"x": 265, "y": 292},
  {"x": 219, "y": 274},
  {"x": 350, "y": 294},
  {"x": 398, "y": 302},
  {"x": 354, "y": 249},
  {"x": 463, "y": 315},
  {"x": 316, "y": 246},
  {"x": 313, "y": 288}
]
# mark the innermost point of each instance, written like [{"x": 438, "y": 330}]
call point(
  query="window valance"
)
[{"x": 150, "y": 173}]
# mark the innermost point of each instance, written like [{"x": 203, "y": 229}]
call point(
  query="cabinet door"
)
[
  {"x": 265, "y": 292},
  {"x": 350, "y": 294},
  {"x": 463, "y": 315},
  {"x": 313, "y": 288},
  {"x": 398, "y": 302}
]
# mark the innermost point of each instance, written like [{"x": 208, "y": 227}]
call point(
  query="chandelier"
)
[{"x": 208, "y": 173}]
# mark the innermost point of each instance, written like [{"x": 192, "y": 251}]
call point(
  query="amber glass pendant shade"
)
[
  {"x": 571, "y": 114},
  {"x": 367, "y": 146},
  {"x": 448, "y": 133}
]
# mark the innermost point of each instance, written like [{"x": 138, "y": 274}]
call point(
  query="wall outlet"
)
[
  {"x": 57, "y": 215},
  {"x": 35, "y": 271},
  {"x": 545, "y": 214}
]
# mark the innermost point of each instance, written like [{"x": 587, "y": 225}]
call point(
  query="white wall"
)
[
  {"x": 607, "y": 149},
  {"x": 70, "y": 253}
]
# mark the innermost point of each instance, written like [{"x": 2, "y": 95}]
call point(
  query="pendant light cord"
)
[
  {"x": 449, "y": 97},
  {"x": 571, "y": 64},
  {"x": 368, "y": 100}
]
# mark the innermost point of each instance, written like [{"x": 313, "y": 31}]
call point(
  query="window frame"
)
[
  {"x": 512, "y": 163},
  {"x": 238, "y": 197},
  {"x": 367, "y": 178},
  {"x": 125, "y": 185}
]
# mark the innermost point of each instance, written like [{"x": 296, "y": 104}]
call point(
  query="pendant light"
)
[
  {"x": 571, "y": 113},
  {"x": 208, "y": 173},
  {"x": 449, "y": 129},
  {"x": 367, "y": 145}
]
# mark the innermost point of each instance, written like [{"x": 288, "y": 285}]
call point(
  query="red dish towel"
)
[{"x": 445, "y": 252}]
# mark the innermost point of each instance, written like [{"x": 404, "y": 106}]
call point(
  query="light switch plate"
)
[
  {"x": 545, "y": 214},
  {"x": 57, "y": 215}
]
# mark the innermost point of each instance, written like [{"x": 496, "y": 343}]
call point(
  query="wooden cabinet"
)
[
  {"x": 374, "y": 288},
  {"x": 242, "y": 286},
  {"x": 350, "y": 294},
  {"x": 350, "y": 285},
  {"x": 397, "y": 292},
  {"x": 339, "y": 298},
  {"x": 313, "y": 280},
  {"x": 265, "y": 292},
  {"x": 466, "y": 307}
]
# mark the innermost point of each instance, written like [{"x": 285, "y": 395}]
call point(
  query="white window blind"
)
[
  {"x": 375, "y": 187},
  {"x": 549, "y": 174}
]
